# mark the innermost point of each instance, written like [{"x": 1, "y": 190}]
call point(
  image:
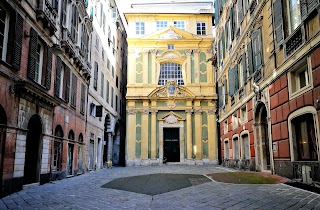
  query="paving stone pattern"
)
[{"x": 85, "y": 192}]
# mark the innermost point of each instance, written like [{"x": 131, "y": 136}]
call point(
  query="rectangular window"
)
[
  {"x": 245, "y": 147},
  {"x": 236, "y": 150},
  {"x": 102, "y": 85},
  {"x": 225, "y": 127},
  {"x": 112, "y": 94},
  {"x": 97, "y": 43},
  {"x": 95, "y": 78},
  {"x": 140, "y": 28},
  {"x": 61, "y": 80},
  {"x": 4, "y": 29},
  {"x": 108, "y": 90},
  {"x": 161, "y": 24},
  {"x": 112, "y": 71},
  {"x": 170, "y": 46},
  {"x": 108, "y": 64},
  {"x": 299, "y": 79},
  {"x": 57, "y": 156},
  {"x": 243, "y": 114},
  {"x": 201, "y": 28},
  {"x": 240, "y": 74},
  {"x": 294, "y": 14},
  {"x": 116, "y": 103},
  {"x": 74, "y": 90},
  {"x": 179, "y": 24},
  {"x": 234, "y": 120},
  {"x": 39, "y": 63},
  {"x": 226, "y": 149},
  {"x": 83, "y": 98},
  {"x": 117, "y": 81}
]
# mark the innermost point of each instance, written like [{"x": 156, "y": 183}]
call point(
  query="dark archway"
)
[
  {"x": 107, "y": 128},
  {"x": 116, "y": 146},
  {"x": 33, "y": 150},
  {"x": 57, "y": 149},
  {"x": 70, "y": 153},
  {"x": 80, "y": 156},
  {"x": 262, "y": 137},
  {"x": 3, "y": 127}
]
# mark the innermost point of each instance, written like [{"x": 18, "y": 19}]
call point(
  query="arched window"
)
[
  {"x": 57, "y": 153},
  {"x": 226, "y": 149},
  {"x": 81, "y": 138},
  {"x": 71, "y": 135},
  {"x": 170, "y": 72},
  {"x": 236, "y": 150},
  {"x": 58, "y": 131},
  {"x": 245, "y": 147}
]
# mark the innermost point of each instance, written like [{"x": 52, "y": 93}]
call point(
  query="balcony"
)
[
  {"x": 295, "y": 40},
  {"x": 67, "y": 42},
  {"x": 47, "y": 13},
  {"x": 306, "y": 172}
]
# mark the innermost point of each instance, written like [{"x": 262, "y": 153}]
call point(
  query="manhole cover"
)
[{"x": 154, "y": 184}]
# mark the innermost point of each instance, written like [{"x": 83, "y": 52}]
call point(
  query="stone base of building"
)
[
  {"x": 249, "y": 165},
  {"x": 157, "y": 162}
]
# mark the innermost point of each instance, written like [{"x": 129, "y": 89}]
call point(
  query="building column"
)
[
  {"x": 153, "y": 66},
  {"x": 110, "y": 145},
  {"x": 212, "y": 136},
  {"x": 198, "y": 133},
  {"x": 189, "y": 134},
  {"x": 154, "y": 134},
  {"x": 144, "y": 134},
  {"x": 188, "y": 53},
  {"x": 131, "y": 139}
]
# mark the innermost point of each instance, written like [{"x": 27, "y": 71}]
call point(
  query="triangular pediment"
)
[
  {"x": 172, "y": 33},
  {"x": 171, "y": 90},
  {"x": 171, "y": 118}
]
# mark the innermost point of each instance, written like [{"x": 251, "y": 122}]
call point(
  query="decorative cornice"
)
[
  {"x": 189, "y": 111},
  {"x": 198, "y": 111},
  {"x": 153, "y": 111},
  {"x": 131, "y": 111},
  {"x": 188, "y": 51},
  {"x": 153, "y": 51},
  {"x": 196, "y": 51},
  {"x": 212, "y": 111},
  {"x": 145, "y": 111}
]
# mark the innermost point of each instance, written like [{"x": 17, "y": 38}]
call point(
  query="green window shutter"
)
[
  {"x": 32, "y": 54},
  {"x": 216, "y": 12},
  {"x": 231, "y": 81},
  {"x": 257, "y": 49},
  {"x": 231, "y": 23},
  {"x": 240, "y": 11},
  {"x": 227, "y": 38},
  {"x": 218, "y": 56},
  {"x": 236, "y": 78},
  {"x": 67, "y": 93},
  {"x": 306, "y": 6},
  {"x": 223, "y": 45},
  {"x": 17, "y": 45},
  {"x": 278, "y": 21},
  {"x": 58, "y": 77},
  {"x": 220, "y": 96},
  {"x": 48, "y": 68},
  {"x": 250, "y": 59},
  {"x": 244, "y": 68},
  {"x": 226, "y": 91}
]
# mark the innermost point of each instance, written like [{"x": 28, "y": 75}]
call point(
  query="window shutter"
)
[
  {"x": 220, "y": 96},
  {"x": 75, "y": 87},
  {"x": 257, "y": 47},
  {"x": 32, "y": 54},
  {"x": 240, "y": 11},
  {"x": 223, "y": 45},
  {"x": 231, "y": 82},
  {"x": 216, "y": 12},
  {"x": 227, "y": 37},
  {"x": 67, "y": 95},
  {"x": 236, "y": 78},
  {"x": 95, "y": 82},
  {"x": 83, "y": 96},
  {"x": 250, "y": 61},
  {"x": 58, "y": 77},
  {"x": 231, "y": 23},
  {"x": 226, "y": 91},
  {"x": 48, "y": 68},
  {"x": 17, "y": 45},
  {"x": 278, "y": 21},
  {"x": 306, "y": 6},
  {"x": 244, "y": 68},
  {"x": 218, "y": 54}
]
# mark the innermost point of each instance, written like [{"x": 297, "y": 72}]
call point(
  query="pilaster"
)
[
  {"x": 131, "y": 139},
  {"x": 153, "y": 133},
  {"x": 198, "y": 133},
  {"x": 144, "y": 131},
  {"x": 189, "y": 134}
]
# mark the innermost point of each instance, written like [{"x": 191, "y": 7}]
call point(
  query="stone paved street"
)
[{"x": 85, "y": 192}]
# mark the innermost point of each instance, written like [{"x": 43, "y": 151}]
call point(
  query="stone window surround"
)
[
  {"x": 6, "y": 33},
  {"x": 243, "y": 133},
  {"x": 235, "y": 137},
  {"x": 294, "y": 69},
  {"x": 243, "y": 120},
  {"x": 297, "y": 113},
  {"x": 226, "y": 142}
]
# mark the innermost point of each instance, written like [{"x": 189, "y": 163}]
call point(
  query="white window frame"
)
[
  {"x": 243, "y": 116},
  {"x": 235, "y": 120},
  {"x": 61, "y": 82},
  {"x": 6, "y": 34},
  {"x": 40, "y": 64},
  {"x": 224, "y": 94},
  {"x": 139, "y": 29},
  {"x": 178, "y": 24},
  {"x": 169, "y": 69},
  {"x": 289, "y": 16},
  {"x": 293, "y": 78},
  {"x": 201, "y": 30},
  {"x": 161, "y": 24},
  {"x": 225, "y": 126}
]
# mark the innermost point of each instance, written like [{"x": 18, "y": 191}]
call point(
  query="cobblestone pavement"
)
[{"x": 85, "y": 192}]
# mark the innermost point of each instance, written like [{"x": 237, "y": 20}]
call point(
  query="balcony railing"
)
[
  {"x": 47, "y": 13},
  {"x": 307, "y": 172},
  {"x": 295, "y": 40}
]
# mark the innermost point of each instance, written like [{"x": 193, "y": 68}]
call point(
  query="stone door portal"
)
[{"x": 171, "y": 146}]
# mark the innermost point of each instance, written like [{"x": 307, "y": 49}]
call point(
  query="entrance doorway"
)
[
  {"x": 91, "y": 153},
  {"x": 171, "y": 148},
  {"x": 3, "y": 125},
  {"x": 33, "y": 151},
  {"x": 262, "y": 128},
  {"x": 70, "y": 159},
  {"x": 116, "y": 146}
]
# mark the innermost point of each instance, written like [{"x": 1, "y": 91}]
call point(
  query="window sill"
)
[{"x": 299, "y": 92}]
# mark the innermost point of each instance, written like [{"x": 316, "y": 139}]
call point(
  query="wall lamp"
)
[{"x": 56, "y": 48}]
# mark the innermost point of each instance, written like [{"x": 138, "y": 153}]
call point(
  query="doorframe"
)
[{"x": 179, "y": 125}]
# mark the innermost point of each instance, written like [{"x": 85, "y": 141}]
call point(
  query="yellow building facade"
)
[{"x": 171, "y": 94}]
